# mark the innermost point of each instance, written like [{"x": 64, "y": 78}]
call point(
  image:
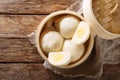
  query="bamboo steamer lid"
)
[{"x": 103, "y": 16}]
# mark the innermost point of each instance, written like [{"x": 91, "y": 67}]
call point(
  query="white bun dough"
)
[
  {"x": 67, "y": 26},
  {"x": 82, "y": 33},
  {"x": 77, "y": 51},
  {"x": 51, "y": 41},
  {"x": 59, "y": 58}
]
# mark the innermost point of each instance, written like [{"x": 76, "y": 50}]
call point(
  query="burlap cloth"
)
[{"x": 104, "y": 51}]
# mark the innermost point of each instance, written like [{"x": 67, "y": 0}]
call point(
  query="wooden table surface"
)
[{"x": 19, "y": 59}]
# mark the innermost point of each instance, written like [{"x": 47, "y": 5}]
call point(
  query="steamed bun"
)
[
  {"x": 67, "y": 25},
  {"x": 51, "y": 41},
  {"x": 77, "y": 51}
]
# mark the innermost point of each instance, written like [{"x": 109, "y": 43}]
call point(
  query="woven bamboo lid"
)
[
  {"x": 107, "y": 13},
  {"x": 103, "y": 16}
]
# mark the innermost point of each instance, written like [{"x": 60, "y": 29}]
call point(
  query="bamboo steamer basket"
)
[
  {"x": 103, "y": 16},
  {"x": 90, "y": 42}
]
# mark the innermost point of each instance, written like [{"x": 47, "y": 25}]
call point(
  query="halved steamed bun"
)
[
  {"x": 67, "y": 25},
  {"x": 59, "y": 58},
  {"x": 82, "y": 33},
  {"x": 77, "y": 51},
  {"x": 51, "y": 41}
]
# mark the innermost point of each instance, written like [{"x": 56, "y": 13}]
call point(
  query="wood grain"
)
[
  {"x": 111, "y": 72},
  {"x": 35, "y": 71},
  {"x": 33, "y": 6},
  {"x": 28, "y": 72},
  {"x": 18, "y": 26},
  {"x": 19, "y": 59},
  {"x": 18, "y": 50}
]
